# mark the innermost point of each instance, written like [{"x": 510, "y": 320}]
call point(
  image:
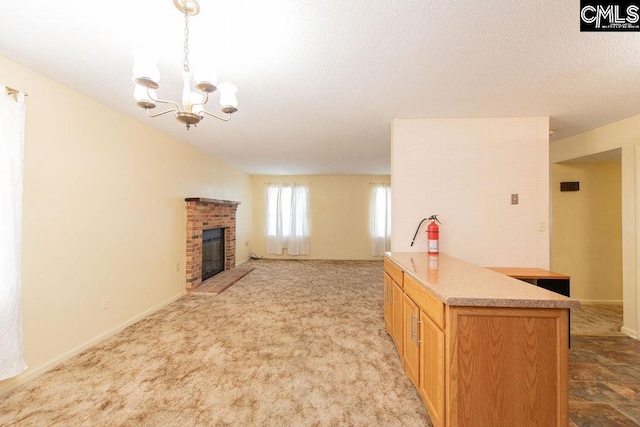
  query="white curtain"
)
[
  {"x": 288, "y": 219},
  {"x": 298, "y": 243},
  {"x": 11, "y": 148},
  {"x": 380, "y": 220}
]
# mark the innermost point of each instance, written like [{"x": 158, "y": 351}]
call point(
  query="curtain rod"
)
[
  {"x": 12, "y": 91},
  {"x": 279, "y": 183},
  {"x": 15, "y": 94}
]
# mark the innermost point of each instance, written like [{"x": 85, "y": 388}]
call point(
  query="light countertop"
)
[
  {"x": 529, "y": 273},
  {"x": 459, "y": 283}
]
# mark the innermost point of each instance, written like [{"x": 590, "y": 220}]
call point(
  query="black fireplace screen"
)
[{"x": 212, "y": 252}]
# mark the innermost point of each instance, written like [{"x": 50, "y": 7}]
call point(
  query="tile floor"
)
[
  {"x": 597, "y": 319},
  {"x": 604, "y": 380}
]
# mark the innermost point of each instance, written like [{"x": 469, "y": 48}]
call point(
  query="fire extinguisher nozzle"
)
[{"x": 418, "y": 229}]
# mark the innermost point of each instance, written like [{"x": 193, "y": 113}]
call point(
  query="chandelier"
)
[{"x": 146, "y": 76}]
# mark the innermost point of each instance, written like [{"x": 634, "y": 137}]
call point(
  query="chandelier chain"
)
[{"x": 185, "y": 64}]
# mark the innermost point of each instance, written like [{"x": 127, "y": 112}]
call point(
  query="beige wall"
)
[
  {"x": 586, "y": 238},
  {"x": 466, "y": 170},
  {"x": 339, "y": 218},
  {"x": 625, "y": 135},
  {"x": 104, "y": 216}
]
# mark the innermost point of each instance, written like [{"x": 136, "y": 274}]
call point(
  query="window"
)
[
  {"x": 380, "y": 220},
  {"x": 288, "y": 219}
]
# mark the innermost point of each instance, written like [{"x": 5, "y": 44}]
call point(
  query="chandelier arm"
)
[
  {"x": 162, "y": 101},
  {"x": 224, "y": 119},
  {"x": 205, "y": 99},
  {"x": 173, "y": 110}
]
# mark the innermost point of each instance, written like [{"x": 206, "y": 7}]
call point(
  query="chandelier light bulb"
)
[
  {"x": 228, "y": 98},
  {"x": 140, "y": 94},
  {"x": 206, "y": 78},
  {"x": 145, "y": 97},
  {"x": 145, "y": 65},
  {"x": 186, "y": 91},
  {"x": 196, "y": 103}
]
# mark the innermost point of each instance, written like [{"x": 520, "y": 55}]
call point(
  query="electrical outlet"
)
[
  {"x": 106, "y": 303},
  {"x": 514, "y": 199},
  {"x": 178, "y": 266},
  {"x": 246, "y": 243},
  {"x": 542, "y": 226}
]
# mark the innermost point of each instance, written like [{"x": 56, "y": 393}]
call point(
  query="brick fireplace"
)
[{"x": 206, "y": 214}]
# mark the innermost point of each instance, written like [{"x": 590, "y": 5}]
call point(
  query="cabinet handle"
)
[
  {"x": 418, "y": 342},
  {"x": 411, "y": 325}
]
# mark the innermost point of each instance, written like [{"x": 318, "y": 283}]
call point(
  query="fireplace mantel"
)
[
  {"x": 205, "y": 214},
  {"x": 214, "y": 202}
]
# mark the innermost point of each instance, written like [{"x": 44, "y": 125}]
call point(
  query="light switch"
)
[{"x": 514, "y": 199}]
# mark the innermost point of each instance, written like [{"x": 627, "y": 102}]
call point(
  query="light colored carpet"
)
[
  {"x": 597, "y": 319},
  {"x": 294, "y": 343}
]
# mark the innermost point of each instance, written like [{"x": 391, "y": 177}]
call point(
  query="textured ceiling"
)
[{"x": 320, "y": 81}]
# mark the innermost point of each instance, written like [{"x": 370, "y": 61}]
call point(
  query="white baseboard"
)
[
  {"x": 627, "y": 331},
  {"x": 11, "y": 383},
  {"x": 599, "y": 301}
]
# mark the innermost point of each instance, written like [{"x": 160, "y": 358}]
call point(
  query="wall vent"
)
[{"x": 570, "y": 186}]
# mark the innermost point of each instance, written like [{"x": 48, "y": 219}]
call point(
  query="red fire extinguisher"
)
[{"x": 433, "y": 234}]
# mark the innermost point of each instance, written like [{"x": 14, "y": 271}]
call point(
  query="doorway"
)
[{"x": 586, "y": 238}]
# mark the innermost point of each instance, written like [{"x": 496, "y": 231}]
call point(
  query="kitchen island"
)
[{"x": 481, "y": 348}]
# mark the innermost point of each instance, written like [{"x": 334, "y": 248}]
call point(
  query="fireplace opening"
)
[{"x": 212, "y": 252}]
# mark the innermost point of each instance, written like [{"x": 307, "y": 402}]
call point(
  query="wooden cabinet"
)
[
  {"x": 474, "y": 364},
  {"x": 429, "y": 339},
  {"x": 397, "y": 318},
  {"x": 507, "y": 366},
  {"x": 396, "y": 274},
  {"x": 410, "y": 338},
  {"x": 428, "y": 303},
  {"x": 388, "y": 303},
  {"x": 394, "y": 281},
  {"x": 420, "y": 341},
  {"x": 432, "y": 368}
]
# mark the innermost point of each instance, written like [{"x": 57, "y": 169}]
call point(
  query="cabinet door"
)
[
  {"x": 397, "y": 318},
  {"x": 432, "y": 365},
  {"x": 410, "y": 356},
  {"x": 388, "y": 304}
]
